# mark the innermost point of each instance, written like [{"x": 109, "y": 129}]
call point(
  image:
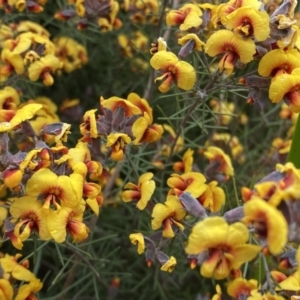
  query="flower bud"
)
[{"x": 192, "y": 206}]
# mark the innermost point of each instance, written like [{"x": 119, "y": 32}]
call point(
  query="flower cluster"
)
[
  {"x": 56, "y": 184},
  {"x": 14, "y": 273},
  {"x": 163, "y": 166},
  {"x": 28, "y": 51}
]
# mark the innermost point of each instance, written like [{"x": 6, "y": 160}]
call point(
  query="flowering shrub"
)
[{"x": 165, "y": 130}]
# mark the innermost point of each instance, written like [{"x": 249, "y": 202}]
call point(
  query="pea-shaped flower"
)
[{"x": 174, "y": 71}]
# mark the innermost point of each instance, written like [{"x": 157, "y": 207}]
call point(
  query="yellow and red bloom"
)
[
  {"x": 168, "y": 214},
  {"x": 287, "y": 87},
  {"x": 277, "y": 62},
  {"x": 289, "y": 185},
  {"x": 186, "y": 164},
  {"x": 197, "y": 43},
  {"x": 25, "y": 26},
  {"x": 13, "y": 62},
  {"x": 58, "y": 190},
  {"x": 213, "y": 197},
  {"x": 248, "y": 22},
  {"x": 217, "y": 155},
  {"x": 138, "y": 239},
  {"x": 72, "y": 54},
  {"x": 269, "y": 223},
  {"x": 224, "y": 9},
  {"x": 143, "y": 105},
  {"x": 225, "y": 245},
  {"x": 232, "y": 47},
  {"x": 160, "y": 45},
  {"x": 174, "y": 71},
  {"x": 27, "y": 112},
  {"x": 12, "y": 269},
  {"x": 142, "y": 192},
  {"x": 188, "y": 16},
  {"x": 28, "y": 211},
  {"x": 191, "y": 182},
  {"x": 143, "y": 130},
  {"x": 27, "y": 291},
  {"x": 287, "y": 283},
  {"x": 89, "y": 124},
  {"x": 12, "y": 177},
  {"x": 9, "y": 98},
  {"x": 67, "y": 220},
  {"x": 145, "y": 133},
  {"x": 117, "y": 142},
  {"x": 114, "y": 103},
  {"x": 44, "y": 67},
  {"x": 6, "y": 290},
  {"x": 241, "y": 287}
]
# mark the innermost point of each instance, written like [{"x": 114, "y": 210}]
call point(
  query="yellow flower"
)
[
  {"x": 12, "y": 119},
  {"x": 138, "y": 239},
  {"x": 191, "y": 182},
  {"x": 232, "y": 47},
  {"x": 53, "y": 189},
  {"x": 268, "y": 222},
  {"x": 67, "y": 220},
  {"x": 72, "y": 54},
  {"x": 160, "y": 45},
  {"x": 43, "y": 68},
  {"x": 12, "y": 268},
  {"x": 117, "y": 142},
  {"x": 9, "y": 98},
  {"x": 290, "y": 283},
  {"x": 186, "y": 165},
  {"x": 224, "y": 9},
  {"x": 217, "y": 155},
  {"x": 142, "y": 192},
  {"x": 224, "y": 110},
  {"x": 28, "y": 211},
  {"x": 248, "y": 22},
  {"x": 142, "y": 129},
  {"x": 13, "y": 62},
  {"x": 241, "y": 287},
  {"x": 213, "y": 197},
  {"x": 227, "y": 140},
  {"x": 124, "y": 43},
  {"x": 169, "y": 265},
  {"x": 26, "y": 291},
  {"x": 12, "y": 177},
  {"x": 198, "y": 44},
  {"x": 143, "y": 105},
  {"x": 286, "y": 87},
  {"x": 25, "y": 26},
  {"x": 187, "y": 16},
  {"x": 168, "y": 214},
  {"x": 114, "y": 103},
  {"x": 224, "y": 244},
  {"x": 89, "y": 124},
  {"x": 174, "y": 71},
  {"x": 6, "y": 290},
  {"x": 278, "y": 61}
]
